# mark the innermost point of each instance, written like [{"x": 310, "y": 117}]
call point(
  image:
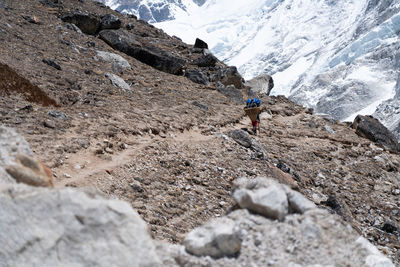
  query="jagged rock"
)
[
  {"x": 218, "y": 238},
  {"x": 125, "y": 42},
  {"x": 73, "y": 27},
  {"x": 50, "y": 3},
  {"x": 253, "y": 188},
  {"x": 262, "y": 84},
  {"x": 58, "y": 114},
  {"x": 244, "y": 139},
  {"x": 200, "y": 44},
  {"x": 197, "y": 104},
  {"x": 232, "y": 93},
  {"x": 52, "y": 63},
  {"x": 208, "y": 60},
  {"x": 117, "y": 61},
  {"x": 130, "y": 26},
  {"x": 117, "y": 81},
  {"x": 11, "y": 145},
  {"x": 88, "y": 24},
  {"x": 228, "y": 76},
  {"x": 197, "y": 76},
  {"x": 67, "y": 227},
  {"x": 29, "y": 170},
  {"x": 315, "y": 238},
  {"x": 297, "y": 202},
  {"x": 110, "y": 22},
  {"x": 371, "y": 128},
  {"x": 271, "y": 202}
]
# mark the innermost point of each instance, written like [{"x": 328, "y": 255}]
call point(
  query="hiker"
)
[{"x": 252, "y": 110}]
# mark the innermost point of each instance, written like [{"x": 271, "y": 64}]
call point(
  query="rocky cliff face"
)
[{"x": 109, "y": 101}]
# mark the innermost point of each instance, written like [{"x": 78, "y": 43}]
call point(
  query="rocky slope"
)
[{"x": 146, "y": 118}]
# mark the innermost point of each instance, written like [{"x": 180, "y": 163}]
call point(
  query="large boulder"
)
[
  {"x": 232, "y": 93},
  {"x": 125, "y": 42},
  {"x": 262, "y": 84},
  {"x": 110, "y": 22},
  {"x": 197, "y": 76},
  {"x": 228, "y": 76},
  {"x": 88, "y": 23},
  {"x": 371, "y": 128},
  {"x": 48, "y": 227},
  {"x": 207, "y": 60},
  {"x": 200, "y": 44}
]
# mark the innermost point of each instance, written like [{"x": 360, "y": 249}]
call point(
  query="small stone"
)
[
  {"x": 329, "y": 129},
  {"x": 222, "y": 203},
  {"x": 52, "y": 63},
  {"x": 49, "y": 124},
  {"x": 66, "y": 175},
  {"x": 109, "y": 150},
  {"x": 109, "y": 171},
  {"x": 389, "y": 227},
  {"x": 396, "y": 192}
]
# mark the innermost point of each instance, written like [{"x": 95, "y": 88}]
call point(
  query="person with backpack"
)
[{"x": 253, "y": 110}]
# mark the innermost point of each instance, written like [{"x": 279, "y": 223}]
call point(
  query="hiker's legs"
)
[{"x": 254, "y": 123}]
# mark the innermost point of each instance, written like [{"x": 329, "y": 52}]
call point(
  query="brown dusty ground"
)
[{"x": 169, "y": 158}]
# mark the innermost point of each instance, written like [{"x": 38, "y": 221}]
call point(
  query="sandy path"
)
[{"x": 79, "y": 167}]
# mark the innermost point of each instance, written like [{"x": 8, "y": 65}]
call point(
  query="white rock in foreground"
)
[
  {"x": 218, "y": 238},
  {"x": 44, "y": 227},
  {"x": 270, "y": 202}
]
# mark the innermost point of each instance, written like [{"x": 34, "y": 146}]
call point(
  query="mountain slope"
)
[{"x": 338, "y": 57}]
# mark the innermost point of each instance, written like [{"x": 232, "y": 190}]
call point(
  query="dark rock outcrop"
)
[
  {"x": 232, "y": 93},
  {"x": 208, "y": 60},
  {"x": 228, "y": 76},
  {"x": 197, "y": 76},
  {"x": 200, "y": 44},
  {"x": 110, "y": 22},
  {"x": 371, "y": 128},
  {"x": 88, "y": 24},
  {"x": 125, "y": 42},
  {"x": 52, "y": 63}
]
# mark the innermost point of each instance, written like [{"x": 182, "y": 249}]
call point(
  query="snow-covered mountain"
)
[
  {"x": 153, "y": 10},
  {"x": 340, "y": 57}
]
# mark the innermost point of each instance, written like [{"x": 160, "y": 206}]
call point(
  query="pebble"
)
[
  {"x": 49, "y": 124},
  {"x": 67, "y": 175}
]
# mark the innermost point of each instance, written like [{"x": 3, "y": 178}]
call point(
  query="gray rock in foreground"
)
[
  {"x": 218, "y": 238},
  {"x": 315, "y": 238},
  {"x": 11, "y": 144},
  {"x": 42, "y": 227},
  {"x": 269, "y": 198}
]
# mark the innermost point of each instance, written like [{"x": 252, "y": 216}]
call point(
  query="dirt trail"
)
[{"x": 79, "y": 167}]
